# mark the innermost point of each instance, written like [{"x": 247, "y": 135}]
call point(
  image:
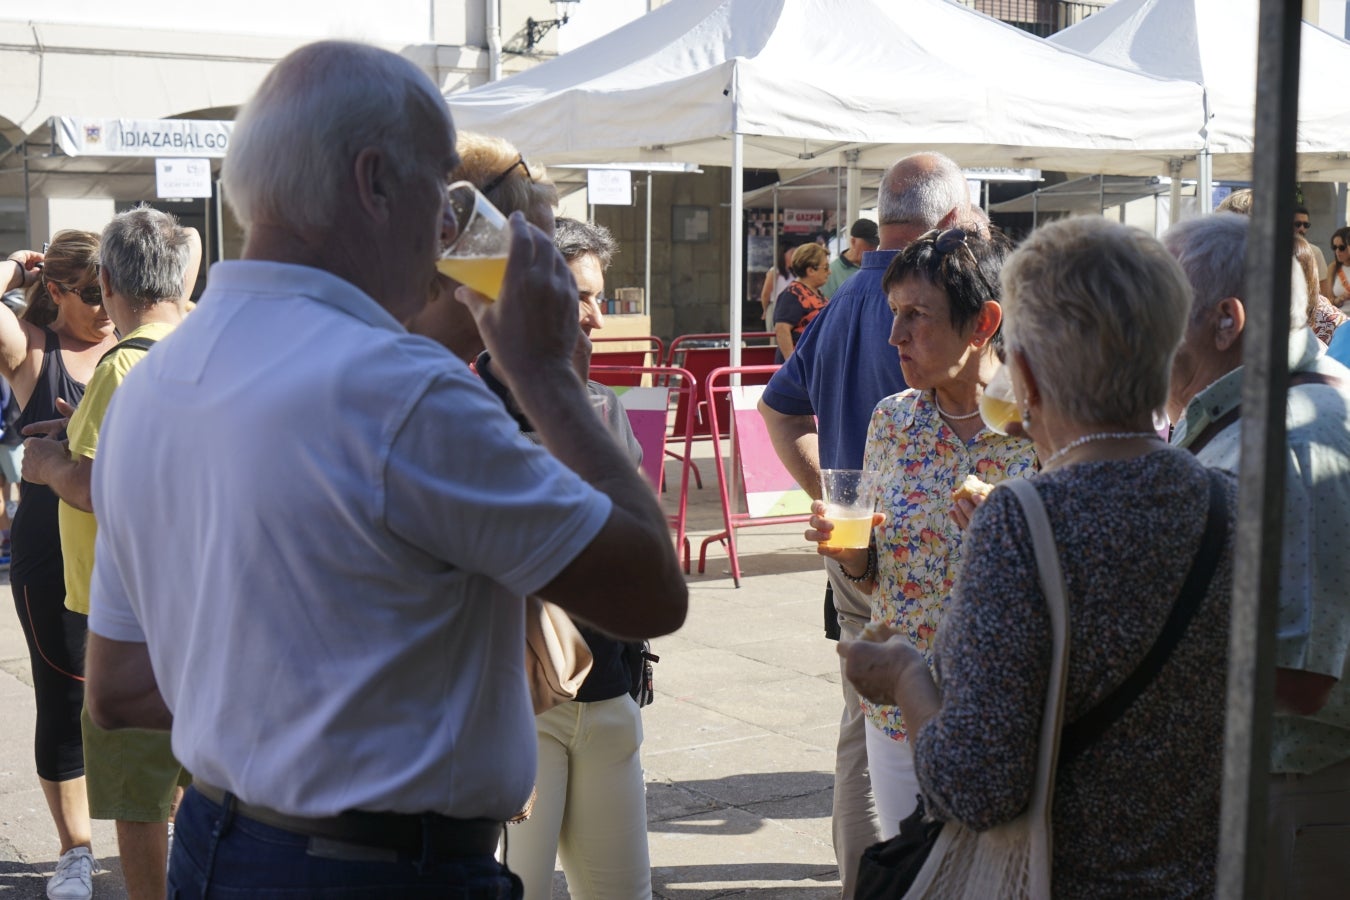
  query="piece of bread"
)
[{"x": 971, "y": 488}]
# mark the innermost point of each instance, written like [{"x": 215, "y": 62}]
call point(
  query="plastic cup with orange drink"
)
[
  {"x": 850, "y": 498},
  {"x": 477, "y": 254}
]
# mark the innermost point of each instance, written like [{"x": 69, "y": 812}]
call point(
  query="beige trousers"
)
[
  {"x": 854, "y": 817},
  {"x": 591, "y": 808}
]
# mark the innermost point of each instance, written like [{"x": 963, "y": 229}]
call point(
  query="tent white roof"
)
[
  {"x": 803, "y": 80},
  {"x": 1213, "y": 43}
]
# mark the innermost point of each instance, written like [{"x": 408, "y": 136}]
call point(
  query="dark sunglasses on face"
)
[
  {"x": 1338, "y": 247},
  {"x": 1302, "y": 226},
  {"x": 90, "y": 294}
]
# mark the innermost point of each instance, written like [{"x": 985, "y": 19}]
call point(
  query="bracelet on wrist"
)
[{"x": 867, "y": 573}]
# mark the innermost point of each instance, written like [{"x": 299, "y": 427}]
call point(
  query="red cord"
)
[{"x": 33, "y": 627}]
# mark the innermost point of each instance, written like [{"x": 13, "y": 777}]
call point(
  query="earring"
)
[{"x": 1026, "y": 416}]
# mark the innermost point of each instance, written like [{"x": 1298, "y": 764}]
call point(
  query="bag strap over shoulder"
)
[
  {"x": 1080, "y": 733},
  {"x": 1052, "y": 585},
  {"x": 142, "y": 344}
]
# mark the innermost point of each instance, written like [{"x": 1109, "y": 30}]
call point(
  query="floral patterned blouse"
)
[{"x": 921, "y": 462}]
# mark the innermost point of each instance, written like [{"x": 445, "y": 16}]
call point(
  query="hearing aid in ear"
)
[{"x": 1226, "y": 322}]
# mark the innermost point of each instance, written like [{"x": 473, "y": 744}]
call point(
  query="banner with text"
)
[{"x": 143, "y": 137}]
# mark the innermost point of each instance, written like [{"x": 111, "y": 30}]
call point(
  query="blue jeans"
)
[{"x": 220, "y": 855}]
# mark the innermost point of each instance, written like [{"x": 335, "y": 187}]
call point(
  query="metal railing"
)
[{"x": 1040, "y": 17}]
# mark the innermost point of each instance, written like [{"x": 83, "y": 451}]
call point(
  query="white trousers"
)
[
  {"x": 590, "y": 812},
  {"x": 895, "y": 783}
]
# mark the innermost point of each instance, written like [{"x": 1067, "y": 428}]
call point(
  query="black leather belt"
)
[{"x": 405, "y": 833}]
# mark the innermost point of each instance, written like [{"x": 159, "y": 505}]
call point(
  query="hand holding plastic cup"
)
[
  {"x": 850, "y": 498},
  {"x": 998, "y": 405},
  {"x": 477, "y": 254}
]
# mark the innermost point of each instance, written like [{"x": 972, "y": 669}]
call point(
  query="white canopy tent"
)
[
  {"x": 1213, "y": 43},
  {"x": 798, "y": 83}
]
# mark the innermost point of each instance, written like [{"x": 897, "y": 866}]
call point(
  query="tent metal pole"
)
[
  {"x": 840, "y": 209},
  {"x": 773, "y": 230},
  {"x": 27, "y": 199},
  {"x": 647, "y": 281},
  {"x": 853, "y": 200},
  {"x": 1204, "y": 188},
  {"x": 738, "y": 241},
  {"x": 1101, "y": 195},
  {"x": 220, "y": 222},
  {"x": 1174, "y": 171},
  {"x": 1243, "y": 844}
]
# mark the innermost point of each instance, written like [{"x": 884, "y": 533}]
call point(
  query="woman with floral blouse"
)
[{"x": 923, "y": 443}]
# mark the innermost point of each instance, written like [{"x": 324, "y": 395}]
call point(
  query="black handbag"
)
[{"x": 889, "y": 868}]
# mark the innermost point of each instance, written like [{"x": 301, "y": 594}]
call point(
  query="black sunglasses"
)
[
  {"x": 493, "y": 184},
  {"x": 90, "y": 294},
  {"x": 1302, "y": 226},
  {"x": 1338, "y": 247}
]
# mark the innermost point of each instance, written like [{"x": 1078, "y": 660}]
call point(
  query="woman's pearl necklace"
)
[
  {"x": 948, "y": 416},
  {"x": 1099, "y": 436}
]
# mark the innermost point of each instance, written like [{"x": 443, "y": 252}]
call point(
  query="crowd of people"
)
[{"x": 283, "y": 541}]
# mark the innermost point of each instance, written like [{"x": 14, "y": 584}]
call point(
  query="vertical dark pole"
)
[{"x": 1251, "y": 665}]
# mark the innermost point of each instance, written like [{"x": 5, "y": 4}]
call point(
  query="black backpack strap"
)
[
  {"x": 1081, "y": 732},
  {"x": 142, "y": 344}
]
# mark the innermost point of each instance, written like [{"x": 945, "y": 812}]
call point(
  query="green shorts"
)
[{"x": 130, "y": 774}]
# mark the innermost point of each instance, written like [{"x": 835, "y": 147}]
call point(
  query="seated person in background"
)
[
  {"x": 500, "y": 173},
  {"x": 802, "y": 301}
]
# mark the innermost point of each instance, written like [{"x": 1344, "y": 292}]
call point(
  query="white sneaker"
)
[{"x": 74, "y": 877}]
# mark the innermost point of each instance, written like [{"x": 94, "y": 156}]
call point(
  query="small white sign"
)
[
  {"x": 609, "y": 187},
  {"x": 803, "y": 220},
  {"x": 181, "y": 178}
]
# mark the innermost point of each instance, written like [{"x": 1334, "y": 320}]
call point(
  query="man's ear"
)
[
  {"x": 1230, "y": 317},
  {"x": 373, "y": 180}
]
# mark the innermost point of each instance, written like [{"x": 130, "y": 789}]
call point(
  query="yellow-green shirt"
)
[{"x": 78, "y": 528}]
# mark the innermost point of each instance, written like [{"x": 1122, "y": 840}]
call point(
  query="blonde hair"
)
[
  {"x": 1240, "y": 201},
  {"x": 1098, "y": 309},
  {"x": 71, "y": 260},
  {"x": 808, "y": 256},
  {"x": 502, "y": 173},
  {"x": 1304, "y": 254}
]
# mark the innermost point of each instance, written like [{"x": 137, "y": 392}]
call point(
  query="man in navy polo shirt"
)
[{"x": 842, "y": 367}]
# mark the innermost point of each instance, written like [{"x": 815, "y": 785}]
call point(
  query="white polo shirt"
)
[{"x": 322, "y": 527}]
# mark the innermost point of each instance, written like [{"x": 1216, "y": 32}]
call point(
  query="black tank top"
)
[{"x": 35, "y": 537}]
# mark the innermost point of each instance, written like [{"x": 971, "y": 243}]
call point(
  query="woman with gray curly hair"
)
[{"x": 1094, "y": 314}]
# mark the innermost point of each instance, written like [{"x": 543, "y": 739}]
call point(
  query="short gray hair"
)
[
  {"x": 145, "y": 255},
  {"x": 921, "y": 190},
  {"x": 294, "y": 142},
  {"x": 574, "y": 238},
  {"x": 1212, "y": 251},
  {"x": 1098, "y": 309}
]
